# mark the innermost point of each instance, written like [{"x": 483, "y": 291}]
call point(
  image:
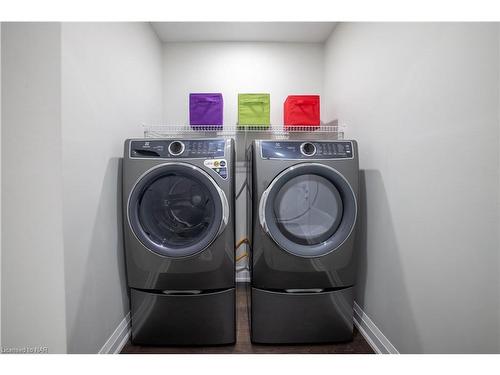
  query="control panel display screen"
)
[{"x": 306, "y": 150}]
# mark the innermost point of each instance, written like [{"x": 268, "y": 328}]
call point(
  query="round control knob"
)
[
  {"x": 176, "y": 148},
  {"x": 308, "y": 149}
]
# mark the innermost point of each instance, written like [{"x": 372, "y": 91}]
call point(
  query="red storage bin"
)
[{"x": 302, "y": 110}]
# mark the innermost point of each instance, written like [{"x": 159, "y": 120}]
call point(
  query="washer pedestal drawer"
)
[
  {"x": 201, "y": 319},
  {"x": 293, "y": 318}
]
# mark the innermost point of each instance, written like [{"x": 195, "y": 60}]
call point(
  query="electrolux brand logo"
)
[{"x": 25, "y": 350}]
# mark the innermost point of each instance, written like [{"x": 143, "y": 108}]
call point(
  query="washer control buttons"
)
[
  {"x": 185, "y": 148},
  {"x": 176, "y": 148}
]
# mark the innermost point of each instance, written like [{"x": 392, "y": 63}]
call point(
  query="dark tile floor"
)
[{"x": 243, "y": 345}]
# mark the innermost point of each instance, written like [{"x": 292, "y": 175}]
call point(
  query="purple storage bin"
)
[{"x": 205, "y": 109}]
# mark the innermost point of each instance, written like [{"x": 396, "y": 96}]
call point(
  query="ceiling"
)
[{"x": 310, "y": 32}]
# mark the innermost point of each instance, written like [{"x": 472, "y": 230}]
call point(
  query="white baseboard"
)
[
  {"x": 374, "y": 336},
  {"x": 118, "y": 339}
]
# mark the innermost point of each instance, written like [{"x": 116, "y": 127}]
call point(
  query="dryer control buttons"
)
[
  {"x": 219, "y": 166},
  {"x": 308, "y": 149},
  {"x": 300, "y": 150}
]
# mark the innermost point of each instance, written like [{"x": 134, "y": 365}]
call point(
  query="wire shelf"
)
[{"x": 332, "y": 130}]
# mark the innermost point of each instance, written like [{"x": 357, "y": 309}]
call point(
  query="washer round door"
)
[
  {"x": 309, "y": 210},
  {"x": 177, "y": 210}
]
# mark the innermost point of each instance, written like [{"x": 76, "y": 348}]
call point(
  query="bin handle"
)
[
  {"x": 205, "y": 100},
  {"x": 304, "y": 101},
  {"x": 261, "y": 101}
]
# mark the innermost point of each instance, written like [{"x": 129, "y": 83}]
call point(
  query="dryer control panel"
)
[
  {"x": 185, "y": 149},
  {"x": 306, "y": 150}
]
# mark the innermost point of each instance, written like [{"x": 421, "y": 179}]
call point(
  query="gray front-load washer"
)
[
  {"x": 178, "y": 210},
  {"x": 304, "y": 213}
]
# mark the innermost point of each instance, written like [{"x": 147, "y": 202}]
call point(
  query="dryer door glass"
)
[
  {"x": 176, "y": 210},
  {"x": 309, "y": 210}
]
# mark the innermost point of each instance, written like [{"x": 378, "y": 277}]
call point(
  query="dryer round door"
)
[
  {"x": 177, "y": 210},
  {"x": 309, "y": 210}
]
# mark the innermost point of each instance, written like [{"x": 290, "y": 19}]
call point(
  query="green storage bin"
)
[{"x": 254, "y": 109}]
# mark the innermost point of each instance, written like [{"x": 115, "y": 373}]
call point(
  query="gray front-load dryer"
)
[
  {"x": 178, "y": 210},
  {"x": 305, "y": 209}
]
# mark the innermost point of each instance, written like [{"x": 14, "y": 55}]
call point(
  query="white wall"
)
[
  {"x": 423, "y": 102},
  {"x": 32, "y": 295},
  {"x": 0, "y": 184},
  {"x": 111, "y": 83},
  {"x": 280, "y": 69},
  {"x": 72, "y": 93},
  {"x": 498, "y": 24}
]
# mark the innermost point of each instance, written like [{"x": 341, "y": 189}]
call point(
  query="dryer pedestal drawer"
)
[
  {"x": 293, "y": 318},
  {"x": 201, "y": 319}
]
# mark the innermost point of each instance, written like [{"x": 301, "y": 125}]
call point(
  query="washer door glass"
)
[
  {"x": 175, "y": 210},
  {"x": 309, "y": 210}
]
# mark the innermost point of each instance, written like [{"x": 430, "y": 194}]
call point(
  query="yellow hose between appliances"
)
[
  {"x": 244, "y": 240},
  {"x": 241, "y": 257}
]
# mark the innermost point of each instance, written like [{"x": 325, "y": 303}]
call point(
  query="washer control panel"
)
[
  {"x": 169, "y": 149},
  {"x": 303, "y": 150}
]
